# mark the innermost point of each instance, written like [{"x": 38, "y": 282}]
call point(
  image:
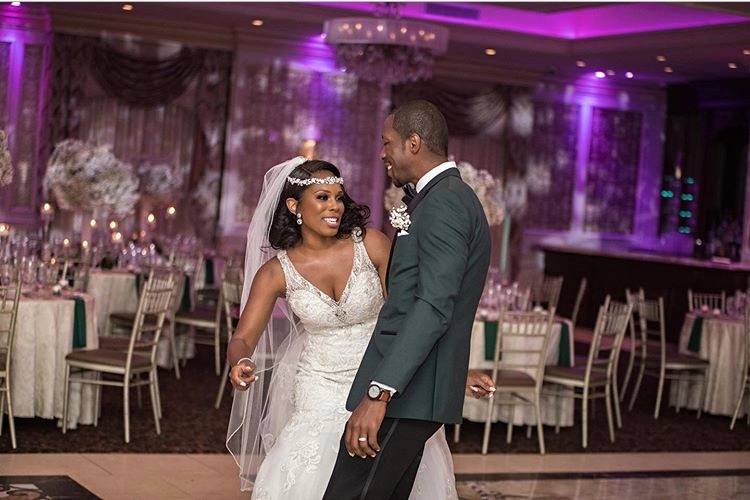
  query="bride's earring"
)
[{"x": 299, "y": 219}]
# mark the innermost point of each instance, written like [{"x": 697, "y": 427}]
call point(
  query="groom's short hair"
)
[{"x": 424, "y": 119}]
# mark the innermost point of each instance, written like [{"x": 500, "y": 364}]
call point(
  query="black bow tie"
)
[{"x": 409, "y": 193}]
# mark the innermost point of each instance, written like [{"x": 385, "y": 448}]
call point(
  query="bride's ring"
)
[{"x": 362, "y": 439}]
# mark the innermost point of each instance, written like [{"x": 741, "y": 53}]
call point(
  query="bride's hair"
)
[{"x": 285, "y": 232}]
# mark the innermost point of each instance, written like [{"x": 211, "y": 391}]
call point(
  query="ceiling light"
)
[
  {"x": 127, "y": 7},
  {"x": 15, "y": 4},
  {"x": 732, "y": 65},
  {"x": 629, "y": 75},
  {"x": 668, "y": 69},
  {"x": 661, "y": 58},
  {"x": 610, "y": 72},
  {"x": 581, "y": 64},
  {"x": 746, "y": 52},
  {"x": 257, "y": 22},
  {"x": 490, "y": 52},
  {"x": 600, "y": 74}
]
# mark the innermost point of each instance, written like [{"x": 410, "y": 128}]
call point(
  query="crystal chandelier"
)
[{"x": 386, "y": 49}]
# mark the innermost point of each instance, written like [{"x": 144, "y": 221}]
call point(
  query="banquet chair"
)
[
  {"x": 518, "y": 368},
  {"x": 594, "y": 379},
  {"x": 661, "y": 360},
  {"x": 125, "y": 320},
  {"x": 745, "y": 373},
  {"x": 230, "y": 298},
  {"x": 634, "y": 341},
  {"x": 139, "y": 359},
  {"x": 546, "y": 292},
  {"x": 697, "y": 301},
  {"x": 10, "y": 295}
]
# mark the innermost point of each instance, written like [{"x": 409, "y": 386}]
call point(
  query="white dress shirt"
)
[{"x": 421, "y": 183}]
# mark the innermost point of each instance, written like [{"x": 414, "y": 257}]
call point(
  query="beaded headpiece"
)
[{"x": 315, "y": 180}]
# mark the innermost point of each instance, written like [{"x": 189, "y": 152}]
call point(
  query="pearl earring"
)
[{"x": 299, "y": 219}]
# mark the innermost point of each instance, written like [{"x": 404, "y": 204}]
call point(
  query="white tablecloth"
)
[
  {"x": 476, "y": 410},
  {"x": 116, "y": 291},
  {"x": 722, "y": 344},
  {"x": 44, "y": 336}
]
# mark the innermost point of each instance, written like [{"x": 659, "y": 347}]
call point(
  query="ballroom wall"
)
[{"x": 592, "y": 170}]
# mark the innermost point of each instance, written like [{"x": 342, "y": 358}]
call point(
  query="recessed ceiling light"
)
[
  {"x": 732, "y": 65},
  {"x": 667, "y": 69},
  {"x": 661, "y": 58},
  {"x": 15, "y": 4},
  {"x": 746, "y": 52},
  {"x": 257, "y": 22},
  {"x": 490, "y": 52},
  {"x": 600, "y": 74},
  {"x": 581, "y": 64},
  {"x": 127, "y": 7},
  {"x": 629, "y": 74},
  {"x": 610, "y": 72}
]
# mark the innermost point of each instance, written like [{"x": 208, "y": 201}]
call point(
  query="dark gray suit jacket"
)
[{"x": 420, "y": 345}]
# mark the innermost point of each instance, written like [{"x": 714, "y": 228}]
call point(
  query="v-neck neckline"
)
[{"x": 325, "y": 296}]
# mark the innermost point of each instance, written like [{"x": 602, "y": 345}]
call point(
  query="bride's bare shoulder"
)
[
  {"x": 270, "y": 275},
  {"x": 377, "y": 244}
]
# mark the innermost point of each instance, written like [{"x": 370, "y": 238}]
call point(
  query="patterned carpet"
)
[{"x": 192, "y": 425}]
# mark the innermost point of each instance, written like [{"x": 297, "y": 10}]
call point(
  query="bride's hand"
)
[
  {"x": 242, "y": 375},
  {"x": 479, "y": 384}
]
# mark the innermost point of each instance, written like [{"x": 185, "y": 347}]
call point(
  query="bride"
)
[{"x": 307, "y": 244}]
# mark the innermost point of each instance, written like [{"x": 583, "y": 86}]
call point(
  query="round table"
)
[
  {"x": 44, "y": 336},
  {"x": 718, "y": 339}
]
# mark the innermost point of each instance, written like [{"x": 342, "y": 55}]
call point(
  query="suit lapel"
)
[{"x": 411, "y": 206}]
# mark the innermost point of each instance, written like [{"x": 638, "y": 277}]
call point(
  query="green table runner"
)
[
  {"x": 79, "y": 323},
  {"x": 490, "y": 336},
  {"x": 694, "y": 344}
]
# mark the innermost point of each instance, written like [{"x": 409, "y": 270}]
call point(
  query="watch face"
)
[{"x": 373, "y": 391}]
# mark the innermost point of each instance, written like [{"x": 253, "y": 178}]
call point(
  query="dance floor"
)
[{"x": 645, "y": 476}]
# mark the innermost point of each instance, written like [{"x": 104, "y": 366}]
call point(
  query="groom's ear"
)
[
  {"x": 291, "y": 205},
  {"x": 414, "y": 143}
]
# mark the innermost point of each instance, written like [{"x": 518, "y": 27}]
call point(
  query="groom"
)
[{"x": 413, "y": 374}]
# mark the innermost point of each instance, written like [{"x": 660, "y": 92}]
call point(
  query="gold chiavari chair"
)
[
  {"x": 230, "y": 298},
  {"x": 709, "y": 301},
  {"x": 139, "y": 359},
  {"x": 10, "y": 295},
  {"x": 546, "y": 292}
]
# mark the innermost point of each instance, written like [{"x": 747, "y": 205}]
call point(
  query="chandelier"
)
[{"x": 385, "y": 48}]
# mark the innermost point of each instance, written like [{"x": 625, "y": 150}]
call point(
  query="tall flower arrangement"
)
[
  {"x": 488, "y": 189},
  {"x": 160, "y": 181},
  {"x": 86, "y": 177},
  {"x": 6, "y": 165}
]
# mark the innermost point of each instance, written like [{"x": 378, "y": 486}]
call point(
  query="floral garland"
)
[
  {"x": 86, "y": 177},
  {"x": 160, "y": 181},
  {"x": 488, "y": 189},
  {"x": 6, "y": 165}
]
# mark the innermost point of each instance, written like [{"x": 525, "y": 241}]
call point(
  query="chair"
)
[
  {"x": 594, "y": 380},
  {"x": 518, "y": 367},
  {"x": 698, "y": 301},
  {"x": 76, "y": 273},
  {"x": 661, "y": 360},
  {"x": 634, "y": 344},
  {"x": 139, "y": 359},
  {"x": 10, "y": 295},
  {"x": 230, "y": 297},
  {"x": 191, "y": 263},
  {"x": 126, "y": 320},
  {"x": 579, "y": 300},
  {"x": 546, "y": 292},
  {"x": 745, "y": 374}
]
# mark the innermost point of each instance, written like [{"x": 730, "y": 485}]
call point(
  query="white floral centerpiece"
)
[
  {"x": 6, "y": 165},
  {"x": 86, "y": 177},
  {"x": 160, "y": 181},
  {"x": 488, "y": 189}
]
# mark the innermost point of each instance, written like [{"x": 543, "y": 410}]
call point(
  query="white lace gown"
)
[{"x": 300, "y": 462}]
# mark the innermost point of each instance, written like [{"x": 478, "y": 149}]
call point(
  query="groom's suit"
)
[{"x": 420, "y": 345}]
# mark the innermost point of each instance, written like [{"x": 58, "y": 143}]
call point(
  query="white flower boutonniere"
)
[{"x": 400, "y": 218}]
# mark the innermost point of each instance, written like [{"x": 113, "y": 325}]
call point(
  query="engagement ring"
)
[{"x": 362, "y": 439}]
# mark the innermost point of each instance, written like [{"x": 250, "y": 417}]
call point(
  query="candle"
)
[
  {"x": 116, "y": 236},
  {"x": 151, "y": 219},
  {"x": 92, "y": 223},
  {"x": 85, "y": 245},
  {"x": 113, "y": 225},
  {"x": 4, "y": 229},
  {"x": 171, "y": 211}
]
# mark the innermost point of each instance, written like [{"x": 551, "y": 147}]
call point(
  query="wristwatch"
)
[{"x": 377, "y": 393}]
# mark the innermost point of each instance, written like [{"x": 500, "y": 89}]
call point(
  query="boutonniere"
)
[{"x": 400, "y": 218}]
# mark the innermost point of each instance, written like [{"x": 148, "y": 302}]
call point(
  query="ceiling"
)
[{"x": 698, "y": 39}]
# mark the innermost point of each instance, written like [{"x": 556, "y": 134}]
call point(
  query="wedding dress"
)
[{"x": 300, "y": 461}]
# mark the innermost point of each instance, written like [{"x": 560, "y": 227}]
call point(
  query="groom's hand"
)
[{"x": 364, "y": 423}]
